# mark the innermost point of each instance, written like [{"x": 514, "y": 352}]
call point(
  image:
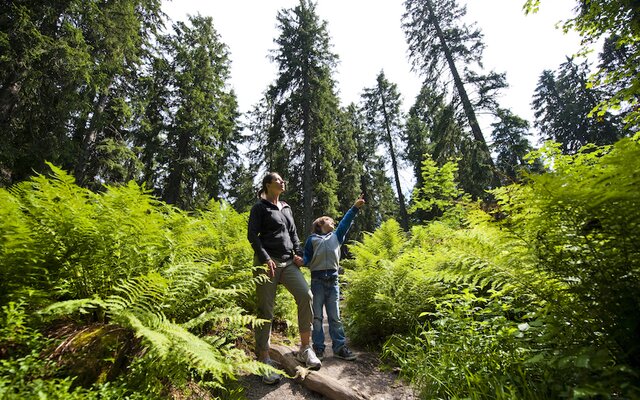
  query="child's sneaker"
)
[
  {"x": 309, "y": 359},
  {"x": 345, "y": 353},
  {"x": 271, "y": 378}
]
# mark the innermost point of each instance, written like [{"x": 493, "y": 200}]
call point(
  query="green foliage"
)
[
  {"x": 581, "y": 220},
  {"x": 66, "y": 69},
  {"x": 138, "y": 296},
  {"x": 382, "y": 296},
  {"x": 510, "y": 141},
  {"x": 297, "y": 122},
  {"x": 466, "y": 352},
  {"x": 562, "y": 102},
  {"x": 432, "y": 129},
  {"x": 200, "y": 135},
  {"x": 26, "y": 374},
  {"x": 381, "y": 106},
  {"x": 538, "y": 303},
  {"x": 616, "y": 21},
  {"x": 95, "y": 239},
  {"x": 438, "y": 190},
  {"x": 95, "y": 88},
  {"x": 448, "y": 307}
]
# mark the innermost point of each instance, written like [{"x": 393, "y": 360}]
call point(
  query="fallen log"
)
[{"x": 327, "y": 386}]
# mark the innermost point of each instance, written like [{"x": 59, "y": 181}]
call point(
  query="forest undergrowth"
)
[{"x": 118, "y": 295}]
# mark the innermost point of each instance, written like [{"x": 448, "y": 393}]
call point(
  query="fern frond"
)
[
  {"x": 68, "y": 307},
  {"x": 231, "y": 316}
]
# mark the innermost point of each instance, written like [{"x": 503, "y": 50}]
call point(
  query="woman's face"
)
[{"x": 277, "y": 185}]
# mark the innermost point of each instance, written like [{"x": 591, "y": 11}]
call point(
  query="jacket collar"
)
[{"x": 270, "y": 204}]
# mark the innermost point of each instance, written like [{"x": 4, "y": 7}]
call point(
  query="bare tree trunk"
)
[
  {"x": 307, "y": 184},
  {"x": 175, "y": 179},
  {"x": 464, "y": 97},
  {"x": 394, "y": 164},
  {"x": 89, "y": 139}
]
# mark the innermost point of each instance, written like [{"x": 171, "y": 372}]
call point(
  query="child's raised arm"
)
[{"x": 345, "y": 223}]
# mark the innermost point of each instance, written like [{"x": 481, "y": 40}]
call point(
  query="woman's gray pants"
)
[{"x": 288, "y": 274}]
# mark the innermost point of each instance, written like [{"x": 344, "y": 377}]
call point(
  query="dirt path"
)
[{"x": 362, "y": 375}]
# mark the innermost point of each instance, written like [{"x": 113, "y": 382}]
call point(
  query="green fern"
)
[
  {"x": 139, "y": 304},
  {"x": 177, "y": 287}
]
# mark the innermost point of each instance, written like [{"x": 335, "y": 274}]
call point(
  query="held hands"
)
[
  {"x": 360, "y": 202},
  {"x": 271, "y": 265}
]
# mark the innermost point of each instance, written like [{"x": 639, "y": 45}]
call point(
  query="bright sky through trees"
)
[{"x": 367, "y": 37}]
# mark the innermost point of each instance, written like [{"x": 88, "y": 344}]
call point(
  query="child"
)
[{"x": 322, "y": 255}]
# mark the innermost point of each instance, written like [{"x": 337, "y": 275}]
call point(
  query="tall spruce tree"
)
[
  {"x": 117, "y": 34},
  {"x": 385, "y": 121},
  {"x": 305, "y": 109},
  {"x": 242, "y": 191},
  {"x": 433, "y": 132},
  {"x": 511, "y": 143},
  {"x": 562, "y": 102},
  {"x": 348, "y": 167},
  {"x": 204, "y": 132},
  {"x": 268, "y": 148},
  {"x": 65, "y": 74},
  {"x": 439, "y": 41},
  {"x": 154, "y": 96},
  {"x": 617, "y": 20},
  {"x": 614, "y": 57},
  {"x": 375, "y": 185}
]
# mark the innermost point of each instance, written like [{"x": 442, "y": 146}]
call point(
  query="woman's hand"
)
[
  {"x": 271, "y": 268},
  {"x": 297, "y": 260}
]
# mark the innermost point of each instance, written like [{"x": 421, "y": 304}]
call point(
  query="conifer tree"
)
[
  {"x": 616, "y": 21},
  {"x": 151, "y": 126},
  {"x": 65, "y": 74},
  {"x": 203, "y": 133},
  {"x": 362, "y": 171},
  {"x": 511, "y": 144},
  {"x": 269, "y": 150},
  {"x": 382, "y": 107},
  {"x": 432, "y": 129},
  {"x": 305, "y": 109},
  {"x": 242, "y": 191},
  {"x": 348, "y": 166},
  {"x": 433, "y": 132},
  {"x": 439, "y": 42},
  {"x": 615, "y": 56},
  {"x": 562, "y": 102}
]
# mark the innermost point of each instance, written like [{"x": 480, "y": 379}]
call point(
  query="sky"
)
[{"x": 367, "y": 37}]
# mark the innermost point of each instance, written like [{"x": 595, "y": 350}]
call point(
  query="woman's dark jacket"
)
[{"x": 272, "y": 232}]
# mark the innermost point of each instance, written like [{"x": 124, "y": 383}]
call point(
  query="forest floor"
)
[{"x": 362, "y": 375}]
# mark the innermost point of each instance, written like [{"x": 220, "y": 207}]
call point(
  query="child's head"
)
[{"x": 323, "y": 225}]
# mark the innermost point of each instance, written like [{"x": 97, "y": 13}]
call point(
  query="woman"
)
[{"x": 273, "y": 236}]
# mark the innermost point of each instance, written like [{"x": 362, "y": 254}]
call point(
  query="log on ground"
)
[{"x": 327, "y": 386}]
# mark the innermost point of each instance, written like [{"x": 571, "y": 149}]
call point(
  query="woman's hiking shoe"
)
[
  {"x": 271, "y": 378},
  {"x": 309, "y": 359},
  {"x": 345, "y": 354}
]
